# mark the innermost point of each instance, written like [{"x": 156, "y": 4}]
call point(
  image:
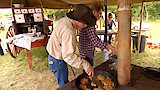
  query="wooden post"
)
[
  {"x": 29, "y": 58},
  {"x": 11, "y": 3},
  {"x": 105, "y": 34},
  {"x": 45, "y": 27},
  {"x": 140, "y": 28},
  {"x": 124, "y": 41}
]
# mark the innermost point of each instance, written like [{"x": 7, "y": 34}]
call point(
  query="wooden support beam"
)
[
  {"x": 124, "y": 41},
  {"x": 140, "y": 29},
  {"x": 105, "y": 35}
]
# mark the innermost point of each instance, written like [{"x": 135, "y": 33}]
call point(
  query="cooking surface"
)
[{"x": 138, "y": 80}]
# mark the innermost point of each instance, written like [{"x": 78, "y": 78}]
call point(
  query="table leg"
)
[{"x": 29, "y": 58}]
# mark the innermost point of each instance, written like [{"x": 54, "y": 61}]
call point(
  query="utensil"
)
[{"x": 97, "y": 82}]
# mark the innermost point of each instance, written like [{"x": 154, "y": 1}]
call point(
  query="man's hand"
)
[
  {"x": 90, "y": 71},
  {"x": 113, "y": 49}
]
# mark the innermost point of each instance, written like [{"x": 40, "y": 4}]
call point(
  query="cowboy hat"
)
[{"x": 82, "y": 14}]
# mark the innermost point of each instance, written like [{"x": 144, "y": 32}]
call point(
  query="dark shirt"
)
[{"x": 110, "y": 24}]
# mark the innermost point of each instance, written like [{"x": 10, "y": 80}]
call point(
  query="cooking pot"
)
[{"x": 152, "y": 73}]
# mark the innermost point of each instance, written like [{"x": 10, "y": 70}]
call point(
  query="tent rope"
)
[{"x": 41, "y": 4}]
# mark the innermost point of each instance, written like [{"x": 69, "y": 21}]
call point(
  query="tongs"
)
[{"x": 97, "y": 82}]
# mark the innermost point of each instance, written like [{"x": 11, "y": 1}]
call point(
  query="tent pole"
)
[
  {"x": 105, "y": 34},
  {"x": 124, "y": 41},
  {"x": 140, "y": 29},
  {"x": 44, "y": 23},
  {"x": 11, "y": 3},
  {"x": 27, "y": 3}
]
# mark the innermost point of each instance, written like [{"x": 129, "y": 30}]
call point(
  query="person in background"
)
[
  {"x": 62, "y": 44},
  {"x": 88, "y": 39},
  {"x": 110, "y": 23},
  {"x": 1, "y": 49}
]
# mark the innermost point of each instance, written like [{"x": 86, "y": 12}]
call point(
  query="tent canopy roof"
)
[{"x": 58, "y": 4}]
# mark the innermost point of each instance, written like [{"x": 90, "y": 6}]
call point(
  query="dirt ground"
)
[
  {"x": 11, "y": 79},
  {"x": 15, "y": 75}
]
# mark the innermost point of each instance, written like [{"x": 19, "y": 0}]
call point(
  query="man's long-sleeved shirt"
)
[
  {"x": 62, "y": 44},
  {"x": 88, "y": 40}
]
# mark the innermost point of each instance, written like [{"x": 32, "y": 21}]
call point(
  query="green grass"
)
[
  {"x": 148, "y": 58},
  {"x": 39, "y": 56},
  {"x": 16, "y": 75},
  {"x": 39, "y": 60}
]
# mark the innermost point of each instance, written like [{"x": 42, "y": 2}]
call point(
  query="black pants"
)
[
  {"x": 1, "y": 51},
  {"x": 110, "y": 39},
  {"x": 142, "y": 43}
]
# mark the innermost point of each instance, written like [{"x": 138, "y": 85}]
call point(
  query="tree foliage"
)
[
  {"x": 56, "y": 14},
  {"x": 151, "y": 11},
  {"x": 112, "y": 9}
]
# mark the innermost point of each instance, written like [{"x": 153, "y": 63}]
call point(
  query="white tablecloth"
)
[{"x": 24, "y": 40}]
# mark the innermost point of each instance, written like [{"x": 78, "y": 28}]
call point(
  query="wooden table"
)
[
  {"x": 36, "y": 44},
  {"x": 102, "y": 32}
]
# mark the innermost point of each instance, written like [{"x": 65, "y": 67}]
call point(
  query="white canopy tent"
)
[{"x": 124, "y": 27}]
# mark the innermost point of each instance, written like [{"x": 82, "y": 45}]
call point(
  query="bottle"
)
[
  {"x": 106, "y": 54},
  {"x": 29, "y": 30},
  {"x": 34, "y": 31}
]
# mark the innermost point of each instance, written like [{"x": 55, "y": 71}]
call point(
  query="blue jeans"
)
[
  {"x": 59, "y": 69},
  {"x": 89, "y": 60}
]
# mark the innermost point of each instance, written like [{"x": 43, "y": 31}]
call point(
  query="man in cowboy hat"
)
[{"x": 62, "y": 44}]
